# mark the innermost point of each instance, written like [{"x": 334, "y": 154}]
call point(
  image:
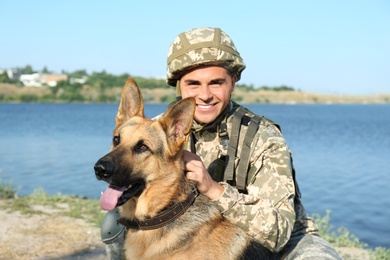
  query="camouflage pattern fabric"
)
[
  {"x": 308, "y": 247},
  {"x": 271, "y": 211},
  {"x": 202, "y": 47}
]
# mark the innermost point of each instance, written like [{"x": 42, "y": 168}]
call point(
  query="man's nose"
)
[{"x": 204, "y": 93}]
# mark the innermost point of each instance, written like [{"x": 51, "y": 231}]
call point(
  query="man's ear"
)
[
  {"x": 177, "y": 122},
  {"x": 131, "y": 103}
]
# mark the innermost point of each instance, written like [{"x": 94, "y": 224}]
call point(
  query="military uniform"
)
[{"x": 269, "y": 208}]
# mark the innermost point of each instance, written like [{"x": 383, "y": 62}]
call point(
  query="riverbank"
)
[
  {"x": 40, "y": 226},
  {"x": 48, "y": 235}
]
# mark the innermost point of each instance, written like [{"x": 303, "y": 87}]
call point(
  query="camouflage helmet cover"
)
[{"x": 202, "y": 47}]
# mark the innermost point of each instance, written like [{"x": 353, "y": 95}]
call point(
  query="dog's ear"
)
[
  {"x": 177, "y": 122},
  {"x": 131, "y": 103}
]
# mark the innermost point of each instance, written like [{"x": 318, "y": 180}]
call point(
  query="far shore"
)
[{"x": 13, "y": 93}]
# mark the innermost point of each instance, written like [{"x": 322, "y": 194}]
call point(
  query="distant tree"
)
[
  {"x": 78, "y": 73},
  {"x": 280, "y": 88},
  {"x": 167, "y": 99},
  {"x": 102, "y": 80},
  {"x": 26, "y": 70},
  {"x": 245, "y": 87},
  {"x": 28, "y": 98},
  {"x": 151, "y": 83},
  {"x": 285, "y": 88},
  {"x": 45, "y": 70},
  {"x": 4, "y": 78},
  {"x": 237, "y": 98},
  {"x": 265, "y": 88}
]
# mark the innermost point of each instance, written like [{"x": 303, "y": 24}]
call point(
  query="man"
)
[{"x": 238, "y": 159}]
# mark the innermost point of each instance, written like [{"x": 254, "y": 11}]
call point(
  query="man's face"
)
[{"x": 211, "y": 87}]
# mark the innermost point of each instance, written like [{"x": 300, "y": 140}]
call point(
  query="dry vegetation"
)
[
  {"x": 297, "y": 97},
  {"x": 12, "y": 90}
]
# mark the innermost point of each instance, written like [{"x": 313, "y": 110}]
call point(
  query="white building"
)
[
  {"x": 38, "y": 80},
  {"x": 31, "y": 80}
]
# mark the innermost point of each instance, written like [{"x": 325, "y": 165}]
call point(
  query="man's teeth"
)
[{"x": 204, "y": 106}]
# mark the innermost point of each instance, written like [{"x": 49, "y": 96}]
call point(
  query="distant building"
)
[
  {"x": 31, "y": 80},
  {"x": 52, "y": 79},
  {"x": 11, "y": 73},
  {"x": 81, "y": 80},
  {"x": 39, "y": 80}
]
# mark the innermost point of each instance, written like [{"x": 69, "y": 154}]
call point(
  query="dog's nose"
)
[{"x": 103, "y": 170}]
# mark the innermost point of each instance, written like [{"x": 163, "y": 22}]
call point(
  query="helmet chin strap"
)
[{"x": 178, "y": 91}]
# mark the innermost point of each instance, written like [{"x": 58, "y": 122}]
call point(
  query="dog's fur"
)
[{"x": 150, "y": 152}]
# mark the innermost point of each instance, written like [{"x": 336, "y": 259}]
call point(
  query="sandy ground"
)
[
  {"x": 52, "y": 237},
  {"x": 48, "y": 237}
]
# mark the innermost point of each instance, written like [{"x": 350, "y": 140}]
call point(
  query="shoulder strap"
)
[
  {"x": 233, "y": 142},
  {"x": 242, "y": 169}
]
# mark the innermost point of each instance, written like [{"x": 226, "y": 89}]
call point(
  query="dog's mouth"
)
[{"x": 116, "y": 196}]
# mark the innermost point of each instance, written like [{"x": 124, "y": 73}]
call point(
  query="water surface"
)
[{"x": 341, "y": 154}]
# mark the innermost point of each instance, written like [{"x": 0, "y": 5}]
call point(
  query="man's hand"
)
[{"x": 197, "y": 172}]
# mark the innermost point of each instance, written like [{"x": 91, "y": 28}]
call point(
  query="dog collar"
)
[{"x": 164, "y": 217}]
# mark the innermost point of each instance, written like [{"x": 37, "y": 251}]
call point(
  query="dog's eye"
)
[
  {"x": 141, "y": 147},
  {"x": 115, "y": 140}
]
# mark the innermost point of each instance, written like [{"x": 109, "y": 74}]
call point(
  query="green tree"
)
[
  {"x": 26, "y": 70},
  {"x": 45, "y": 70},
  {"x": 78, "y": 74},
  {"x": 4, "y": 78}
]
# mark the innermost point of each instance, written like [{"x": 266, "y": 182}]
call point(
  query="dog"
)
[{"x": 165, "y": 216}]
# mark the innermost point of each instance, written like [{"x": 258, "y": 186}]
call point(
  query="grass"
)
[
  {"x": 89, "y": 210},
  {"x": 7, "y": 190},
  {"x": 342, "y": 237},
  {"x": 64, "y": 205}
]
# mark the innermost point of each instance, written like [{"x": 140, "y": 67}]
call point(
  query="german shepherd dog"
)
[{"x": 165, "y": 216}]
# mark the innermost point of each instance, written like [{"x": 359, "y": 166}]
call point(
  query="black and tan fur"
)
[{"x": 149, "y": 152}]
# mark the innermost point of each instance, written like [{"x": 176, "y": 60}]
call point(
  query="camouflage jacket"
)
[{"x": 270, "y": 209}]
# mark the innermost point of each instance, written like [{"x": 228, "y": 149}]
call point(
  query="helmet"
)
[{"x": 202, "y": 47}]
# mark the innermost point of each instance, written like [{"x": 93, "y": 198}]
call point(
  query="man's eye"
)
[
  {"x": 116, "y": 140},
  {"x": 217, "y": 83}
]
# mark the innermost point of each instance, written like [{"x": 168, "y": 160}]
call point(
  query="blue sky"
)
[{"x": 323, "y": 46}]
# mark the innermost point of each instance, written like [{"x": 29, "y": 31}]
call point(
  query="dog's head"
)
[{"x": 144, "y": 168}]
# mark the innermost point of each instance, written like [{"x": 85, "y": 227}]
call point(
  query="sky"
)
[{"x": 321, "y": 46}]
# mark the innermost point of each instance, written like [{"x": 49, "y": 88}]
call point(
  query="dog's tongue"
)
[{"x": 110, "y": 197}]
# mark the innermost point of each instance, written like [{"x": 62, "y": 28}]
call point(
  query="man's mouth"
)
[{"x": 205, "y": 107}]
